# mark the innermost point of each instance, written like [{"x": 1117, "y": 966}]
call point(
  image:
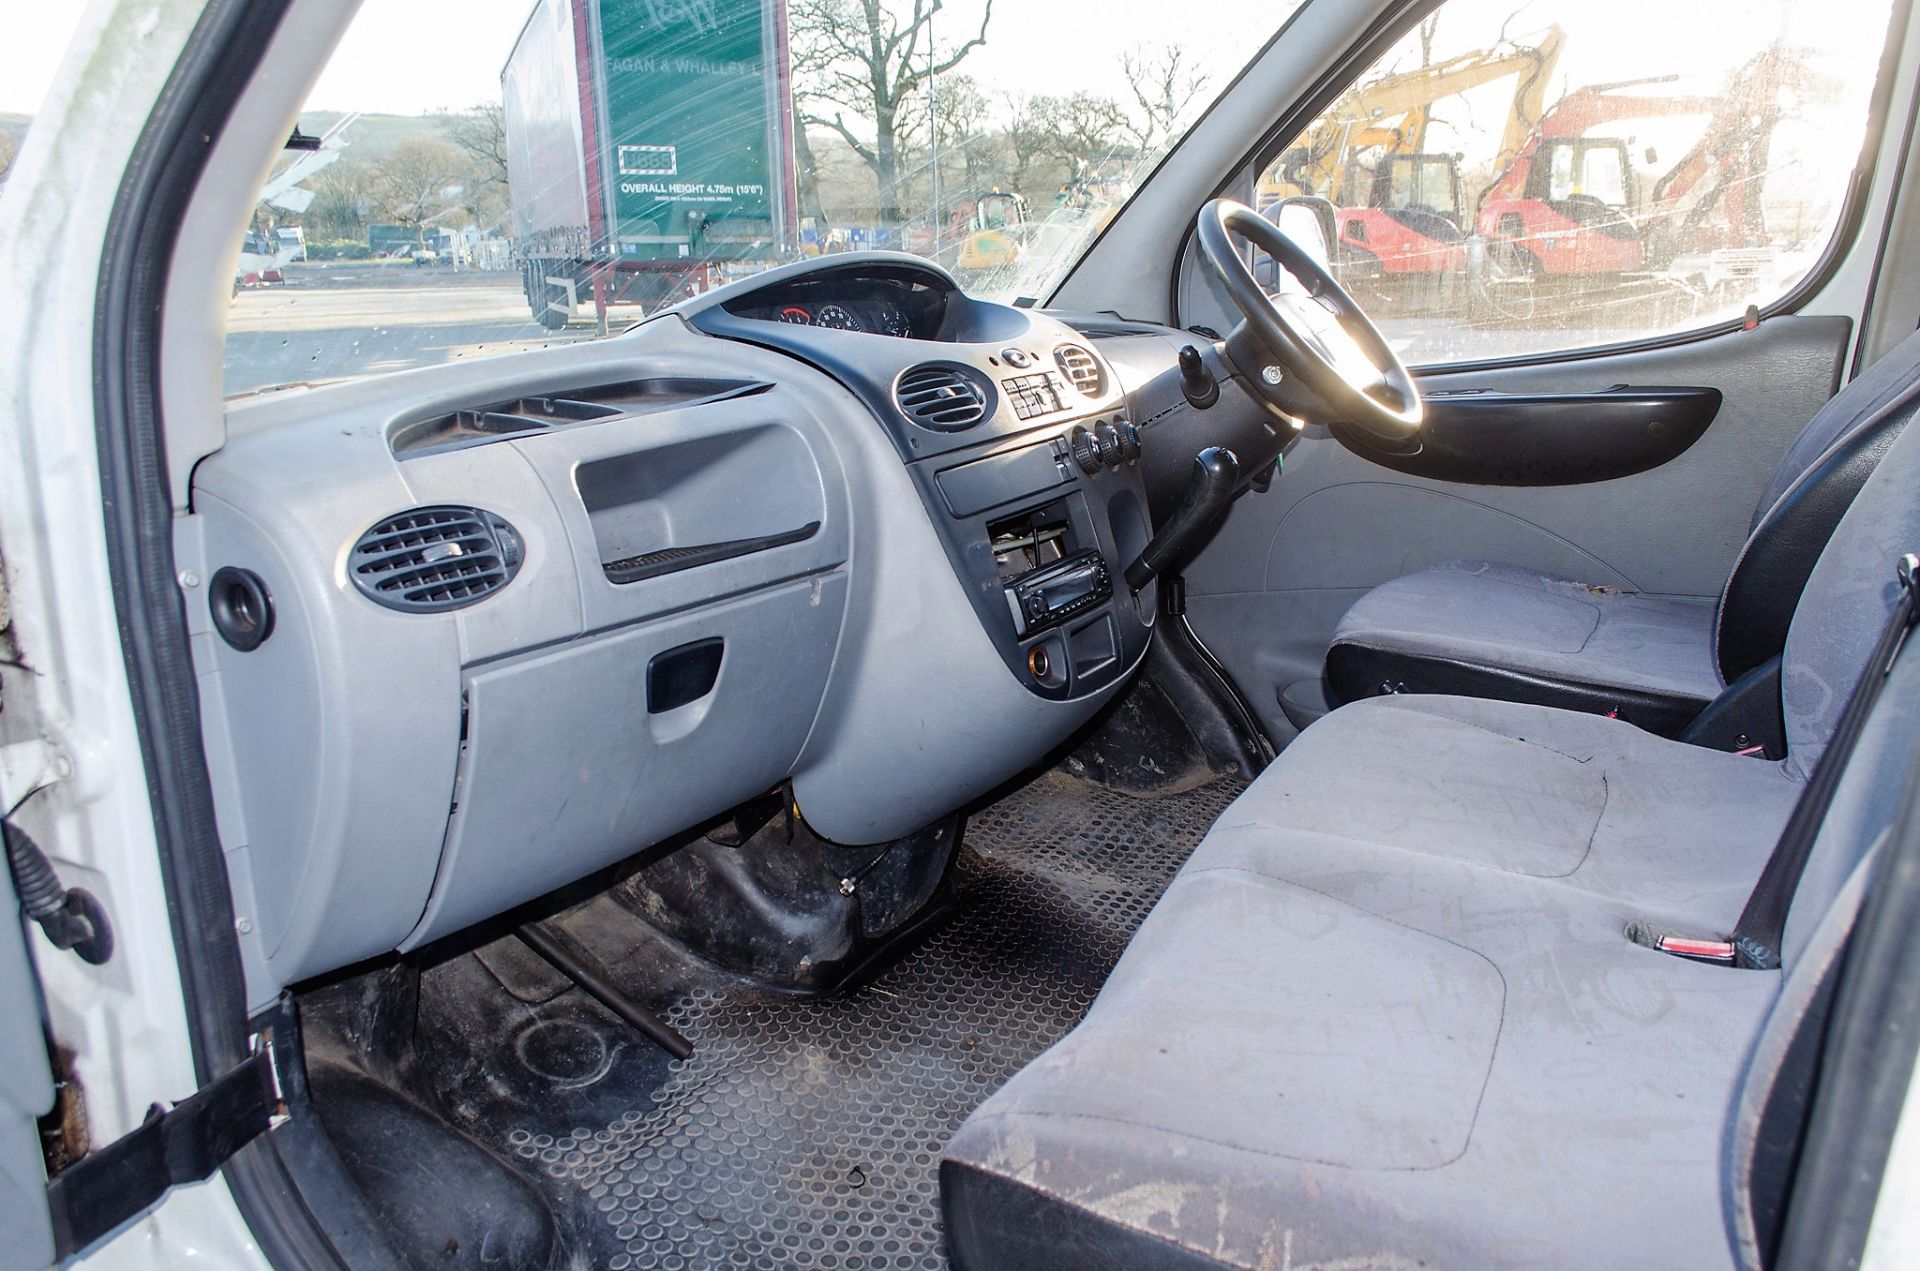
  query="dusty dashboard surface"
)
[{"x": 535, "y": 613}]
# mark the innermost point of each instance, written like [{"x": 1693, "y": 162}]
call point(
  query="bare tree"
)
[
  {"x": 1165, "y": 84},
  {"x": 1082, "y": 129},
  {"x": 8, "y": 148},
  {"x": 415, "y": 181},
  {"x": 962, "y": 133},
  {"x": 869, "y": 58},
  {"x": 481, "y": 135},
  {"x": 1029, "y": 137},
  {"x": 807, "y": 178},
  {"x": 342, "y": 200},
  {"x": 1430, "y": 27}
]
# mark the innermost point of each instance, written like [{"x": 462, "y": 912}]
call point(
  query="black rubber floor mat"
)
[{"x": 807, "y": 1132}]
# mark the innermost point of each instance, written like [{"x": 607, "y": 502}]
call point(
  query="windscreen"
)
[{"x": 472, "y": 177}]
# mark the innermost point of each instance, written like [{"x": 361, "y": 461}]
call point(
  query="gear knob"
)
[{"x": 1216, "y": 471}]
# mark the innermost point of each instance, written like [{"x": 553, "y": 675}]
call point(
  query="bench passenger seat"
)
[{"x": 1388, "y": 1015}]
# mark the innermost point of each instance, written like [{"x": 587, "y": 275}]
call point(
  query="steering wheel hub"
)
[{"x": 1310, "y": 335}]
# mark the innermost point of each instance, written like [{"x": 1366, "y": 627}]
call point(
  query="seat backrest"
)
[
  {"x": 1845, "y": 605},
  {"x": 1770, "y": 1109},
  {"x": 1836, "y": 628},
  {"x": 1816, "y": 483}
]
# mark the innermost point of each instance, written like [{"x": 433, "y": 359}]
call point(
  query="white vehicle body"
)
[{"x": 70, "y": 736}]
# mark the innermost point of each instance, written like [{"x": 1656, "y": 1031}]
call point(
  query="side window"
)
[{"x": 1515, "y": 178}]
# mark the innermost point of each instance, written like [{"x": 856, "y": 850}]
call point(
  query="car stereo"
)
[{"x": 1047, "y": 597}]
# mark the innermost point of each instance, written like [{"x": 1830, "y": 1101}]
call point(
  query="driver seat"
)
[{"x": 1479, "y": 629}]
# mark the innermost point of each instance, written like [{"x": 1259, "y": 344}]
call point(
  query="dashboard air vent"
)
[
  {"x": 432, "y": 559},
  {"x": 1081, "y": 368},
  {"x": 944, "y": 398}
]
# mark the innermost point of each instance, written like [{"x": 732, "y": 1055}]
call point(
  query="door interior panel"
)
[
  {"x": 1267, "y": 591},
  {"x": 1476, "y": 437}
]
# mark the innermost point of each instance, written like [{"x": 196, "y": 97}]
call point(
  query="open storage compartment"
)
[{"x": 700, "y": 500}]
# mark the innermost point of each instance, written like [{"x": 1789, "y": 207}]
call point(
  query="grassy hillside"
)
[
  {"x": 370, "y": 137},
  {"x": 373, "y": 135},
  {"x": 12, "y": 129}
]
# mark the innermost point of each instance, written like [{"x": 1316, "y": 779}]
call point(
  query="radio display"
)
[{"x": 1058, "y": 593}]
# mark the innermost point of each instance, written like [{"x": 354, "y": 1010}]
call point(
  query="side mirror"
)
[{"x": 1311, "y": 223}]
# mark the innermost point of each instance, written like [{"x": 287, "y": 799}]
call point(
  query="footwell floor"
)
[{"x": 807, "y": 1131}]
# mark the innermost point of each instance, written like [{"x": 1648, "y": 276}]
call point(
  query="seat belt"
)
[
  {"x": 1755, "y": 942},
  {"x": 1757, "y": 936}
]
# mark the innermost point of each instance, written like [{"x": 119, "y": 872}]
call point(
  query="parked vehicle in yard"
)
[
  {"x": 991, "y": 230},
  {"x": 1137, "y": 758},
  {"x": 1570, "y": 204},
  {"x": 649, "y": 148},
  {"x": 1403, "y": 216}
]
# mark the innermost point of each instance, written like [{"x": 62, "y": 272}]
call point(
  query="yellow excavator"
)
[
  {"x": 991, "y": 227},
  {"x": 1399, "y": 207}
]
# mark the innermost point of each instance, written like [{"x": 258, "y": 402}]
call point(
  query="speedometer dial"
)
[{"x": 837, "y": 317}]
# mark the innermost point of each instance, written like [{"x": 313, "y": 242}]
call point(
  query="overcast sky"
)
[{"x": 409, "y": 56}]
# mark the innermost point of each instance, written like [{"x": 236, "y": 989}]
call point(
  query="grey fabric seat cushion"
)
[
  {"x": 1498, "y": 621},
  {"x": 1514, "y": 619},
  {"x": 1322, "y": 1053},
  {"x": 1373, "y": 1040},
  {"x": 1387, "y": 1012},
  {"x": 1589, "y": 802}
]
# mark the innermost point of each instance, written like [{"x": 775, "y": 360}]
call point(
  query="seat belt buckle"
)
[{"x": 1719, "y": 952}]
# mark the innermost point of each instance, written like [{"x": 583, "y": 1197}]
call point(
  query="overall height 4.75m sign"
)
[
  {"x": 647, "y": 134},
  {"x": 694, "y": 93}
]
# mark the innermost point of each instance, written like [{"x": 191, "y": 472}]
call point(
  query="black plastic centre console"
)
[{"x": 1015, "y": 432}]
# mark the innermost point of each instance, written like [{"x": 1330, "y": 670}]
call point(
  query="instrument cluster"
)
[
  {"x": 870, "y": 306},
  {"x": 879, "y": 316}
]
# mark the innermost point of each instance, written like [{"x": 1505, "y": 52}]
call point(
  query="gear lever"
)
[{"x": 1209, "y": 490}]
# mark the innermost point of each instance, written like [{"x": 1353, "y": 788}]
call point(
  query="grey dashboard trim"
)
[
  {"x": 340, "y": 776},
  {"x": 1005, "y": 348}
]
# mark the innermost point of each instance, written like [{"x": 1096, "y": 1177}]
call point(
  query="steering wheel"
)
[{"x": 1320, "y": 337}]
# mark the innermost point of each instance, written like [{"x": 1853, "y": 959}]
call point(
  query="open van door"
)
[
  {"x": 26, "y": 1091},
  {"x": 95, "y": 1187}
]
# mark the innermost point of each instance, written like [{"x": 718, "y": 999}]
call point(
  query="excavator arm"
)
[{"x": 1393, "y": 111}]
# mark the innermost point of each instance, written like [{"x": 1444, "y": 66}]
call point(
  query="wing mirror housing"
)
[{"x": 1310, "y": 222}]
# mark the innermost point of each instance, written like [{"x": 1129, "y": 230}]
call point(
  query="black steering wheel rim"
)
[{"x": 1389, "y": 409}]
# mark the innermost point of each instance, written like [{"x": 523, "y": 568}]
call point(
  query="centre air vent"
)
[
  {"x": 432, "y": 559},
  {"x": 943, "y": 398},
  {"x": 1081, "y": 368}
]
